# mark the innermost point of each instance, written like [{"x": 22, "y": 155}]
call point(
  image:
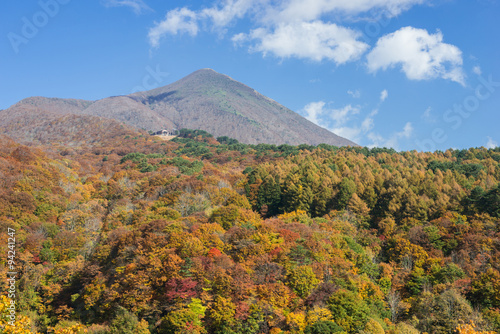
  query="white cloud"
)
[
  {"x": 407, "y": 131},
  {"x": 333, "y": 119},
  {"x": 138, "y": 6},
  {"x": 354, "y": 132},
  {"x": 393, "y": 140},
  {"x": 342, "y": 115},
  {"x": 313, "y": 111},
  {"x": 282, "y": 26},
  {"x": 367, "y": 124},
  {"x": 179, "y": 20},
  {"x": 300, "y": 29},
  {"x": 336, "y": 120},
  {"x": 383, "y": 95},
  {"x": 221, "y": 16},
  {"x": 343, "y": 122},
  {"x": 309, "y": 40},
  {"x": 351, "y": 133},
  {"x": 491, "y": 143},
  {"x": 477, "y": 70},
  {"x": 300, "y": 10},
  {"x": 421, "y": 55},
  {"x": 355, "y": 94},
  {"x": 240, "y": 38},
  {"x": 319, "y": 115},
  {"x": 186, "y": 20}
]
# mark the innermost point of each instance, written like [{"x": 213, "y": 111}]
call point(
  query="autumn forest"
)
[{"x": 137, "y": 234}]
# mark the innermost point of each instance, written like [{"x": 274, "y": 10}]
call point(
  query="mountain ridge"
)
[{"x": 205, "y": 100}]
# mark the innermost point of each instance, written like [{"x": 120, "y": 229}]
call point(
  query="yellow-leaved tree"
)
[
  {"x": 21, "y": 324},
  {"x": 470, "y": 329}
]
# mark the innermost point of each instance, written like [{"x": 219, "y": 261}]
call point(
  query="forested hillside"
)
[{"x": 135, "y": 234}]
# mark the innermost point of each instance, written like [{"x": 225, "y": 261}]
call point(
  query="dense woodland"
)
[{"x": 135, "y": 234}]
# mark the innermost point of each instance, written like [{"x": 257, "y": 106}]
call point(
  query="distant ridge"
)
[
  {"x": 30, "y": 124},
  {"x": 204, "y": 100}
]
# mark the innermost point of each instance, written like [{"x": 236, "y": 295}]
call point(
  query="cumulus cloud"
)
[
  {"x": 491, "y": 143},
  {"x": 305, "y": 30},
  {"x": 383, "y": 95},
  {"x": 285, "y": 28},
  {"x": 180, "y": 20},
  {"x": 138, "y": 6},
  {"x": 421, "y": 55},
  {"x": 308, "y": 40}
]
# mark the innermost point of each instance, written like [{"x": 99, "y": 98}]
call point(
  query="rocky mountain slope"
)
[{"x": 204, "y": 100}]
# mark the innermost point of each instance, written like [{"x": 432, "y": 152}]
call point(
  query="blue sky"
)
[{"x": 408, "y": 74}]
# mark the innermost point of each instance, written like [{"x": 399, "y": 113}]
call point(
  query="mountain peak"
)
[
  {"x": 209, "y": 73},
  {"x": 205, "y": 100},
  {"x": 205, "y": 71},
  {"x": 215, "y": 102}
]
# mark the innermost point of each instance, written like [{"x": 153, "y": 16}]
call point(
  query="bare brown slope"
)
[
  {"x": 129, "y": 111},
  {"x": 120, "y": 108},
  {"x": 54, "y": 105},
  {"x": 32, "y": 125}
]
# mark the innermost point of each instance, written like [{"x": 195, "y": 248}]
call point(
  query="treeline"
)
[
  {"x": 207, "y": 235},
  {"x": 400, "y": 186}
]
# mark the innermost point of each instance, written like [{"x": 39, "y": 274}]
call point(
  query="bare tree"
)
[{"x": 395, "y": 304}]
